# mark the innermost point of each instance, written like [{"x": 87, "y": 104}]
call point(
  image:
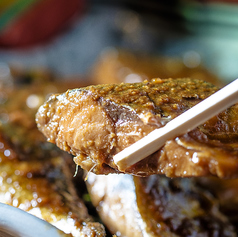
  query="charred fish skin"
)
[{"x": 96, "y": 122}]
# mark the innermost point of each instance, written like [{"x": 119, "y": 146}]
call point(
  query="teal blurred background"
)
[{"x": 197, "y": 33}]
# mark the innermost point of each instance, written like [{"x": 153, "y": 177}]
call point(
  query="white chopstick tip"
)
[
  {"x": 142, "y": 148},
  {"x": 122, "y": 162}
]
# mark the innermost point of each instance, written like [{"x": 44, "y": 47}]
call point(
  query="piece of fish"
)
[
  {"x": 44, "y": 188},
  {"x": 155, "y": 206},
  {"x": 96, "y": 122},
  {"x": 34, "y": 175}
]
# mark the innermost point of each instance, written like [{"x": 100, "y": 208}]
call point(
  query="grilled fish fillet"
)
[{"x": 96, "y": 122}]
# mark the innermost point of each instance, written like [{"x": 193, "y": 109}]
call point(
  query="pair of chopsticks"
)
[{"x": 182, "y": 124}]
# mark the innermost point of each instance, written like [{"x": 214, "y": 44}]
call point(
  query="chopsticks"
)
[{"x": 182, "y": 124}]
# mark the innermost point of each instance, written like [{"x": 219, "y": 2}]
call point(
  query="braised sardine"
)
[{"x": 96, "y": 122}]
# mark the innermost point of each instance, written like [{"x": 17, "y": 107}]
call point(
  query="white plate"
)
[{"x": 18, "y": 223}]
